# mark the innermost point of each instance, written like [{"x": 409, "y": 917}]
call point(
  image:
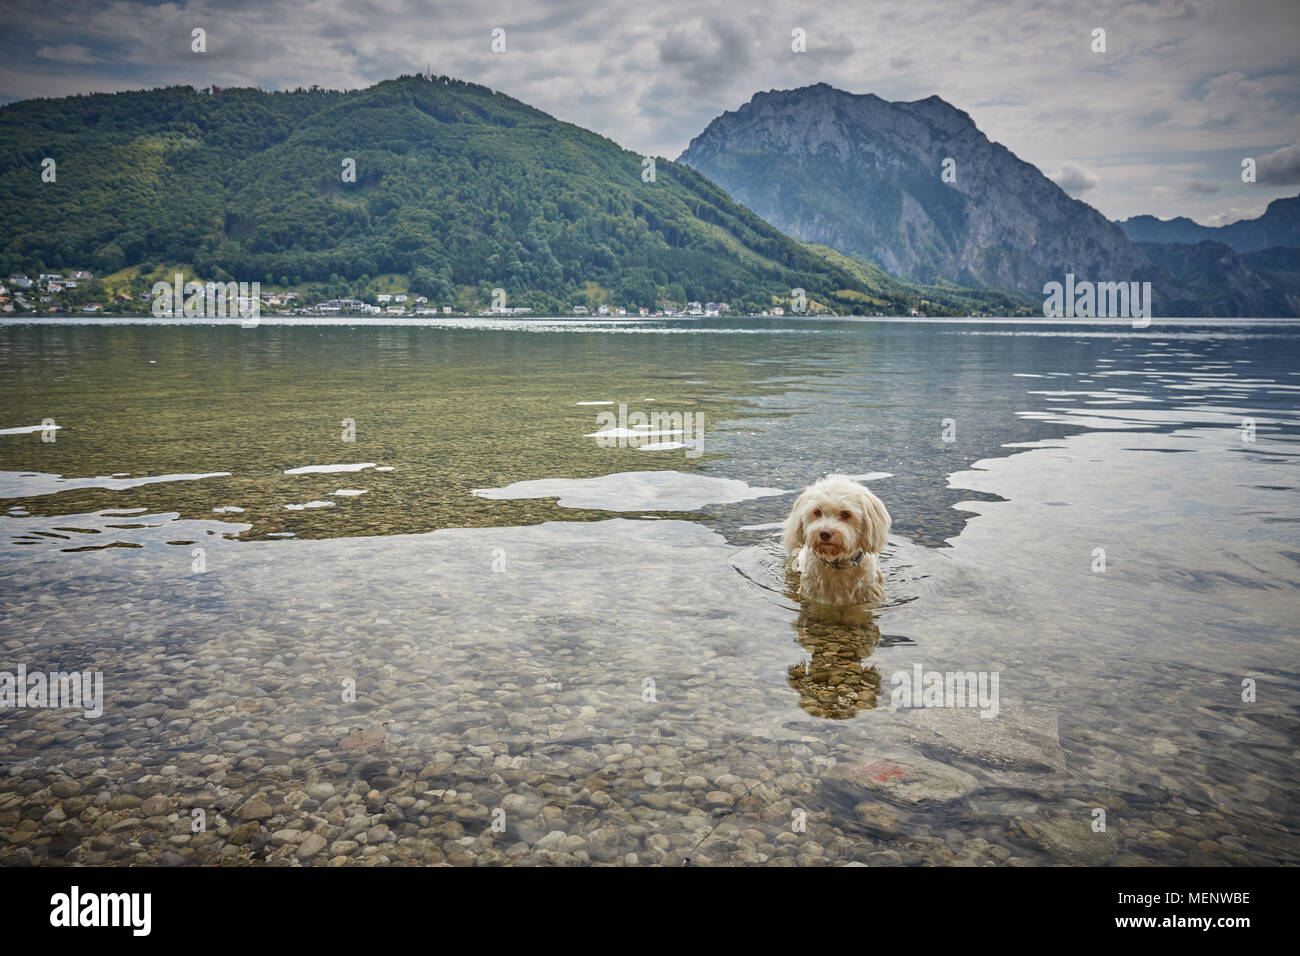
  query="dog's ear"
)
[
  {"x": 875, "y": 522},
  {"x": 792, "y": 531}
]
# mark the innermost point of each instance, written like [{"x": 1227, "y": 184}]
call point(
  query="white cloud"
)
[
  {"x": 1074, "y": 179},
  {"x": 1233, "y": 214},
  {"x": 1280, "y": 167},
  {"x": 67, "y": 52}
]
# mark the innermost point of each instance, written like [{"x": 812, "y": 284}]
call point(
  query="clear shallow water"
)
[{"x": 500, "y": 645}]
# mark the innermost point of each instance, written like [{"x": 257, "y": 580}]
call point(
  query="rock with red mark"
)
[{"x": 908, "y": 779}]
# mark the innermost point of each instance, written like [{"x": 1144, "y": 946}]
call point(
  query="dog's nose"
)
[{"x": 825, "y": 535}]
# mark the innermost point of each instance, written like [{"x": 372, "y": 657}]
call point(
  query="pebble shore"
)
[{"x": 533, "y": 737}]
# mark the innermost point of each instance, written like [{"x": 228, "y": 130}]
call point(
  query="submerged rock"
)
[
  {"x": 312, "y": 845},
  {"x": 241, "y": 834},
  {"x": 910, "y": 779},
  {"x": 1017, "y": 740},
  {"x": 255, "y": 809},
  {"x": 1073, "y": 840}
]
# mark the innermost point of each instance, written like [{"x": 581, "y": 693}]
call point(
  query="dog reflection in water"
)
[{"x": 834, "y": 681}]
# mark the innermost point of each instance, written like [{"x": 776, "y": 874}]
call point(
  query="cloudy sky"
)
[{"x": 1159, "y": 123}]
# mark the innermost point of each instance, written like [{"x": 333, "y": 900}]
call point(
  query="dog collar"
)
[{"x": 842, "y": 564}]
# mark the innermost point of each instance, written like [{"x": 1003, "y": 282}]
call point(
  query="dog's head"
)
[{"x": 837, "y": 518}]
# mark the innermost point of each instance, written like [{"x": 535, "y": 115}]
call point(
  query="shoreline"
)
[{"x": 433, "y": 321}]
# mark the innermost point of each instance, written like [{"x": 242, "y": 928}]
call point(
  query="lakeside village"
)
[{"x": 79, "y": 292}]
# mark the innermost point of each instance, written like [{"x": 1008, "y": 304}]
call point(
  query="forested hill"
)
[{"x": 456, "y": 187}]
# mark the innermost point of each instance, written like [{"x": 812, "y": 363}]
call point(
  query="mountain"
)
[
  {"x": 1279, "y": 226},
  {"x": 862, "y": 175},
  {"x": 457, "y": 188},
  {"x": 1261, "y": 284},
  {"x": 1280, "y": 260}
]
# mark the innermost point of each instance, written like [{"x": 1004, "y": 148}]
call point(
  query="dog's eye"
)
[
  {"x": 817, "y": 512},
  {"x": 845, "y": 516}
]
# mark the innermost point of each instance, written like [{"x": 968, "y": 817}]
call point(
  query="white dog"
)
[{"x": 833, "y": 539}]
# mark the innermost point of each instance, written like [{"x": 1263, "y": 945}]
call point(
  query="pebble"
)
[
  {"x": 310, "y": 846},
  {"x": 255, "y": 809}
]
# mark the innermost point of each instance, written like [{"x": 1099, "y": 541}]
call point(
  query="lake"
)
[{"x": 382, "y": 593}]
